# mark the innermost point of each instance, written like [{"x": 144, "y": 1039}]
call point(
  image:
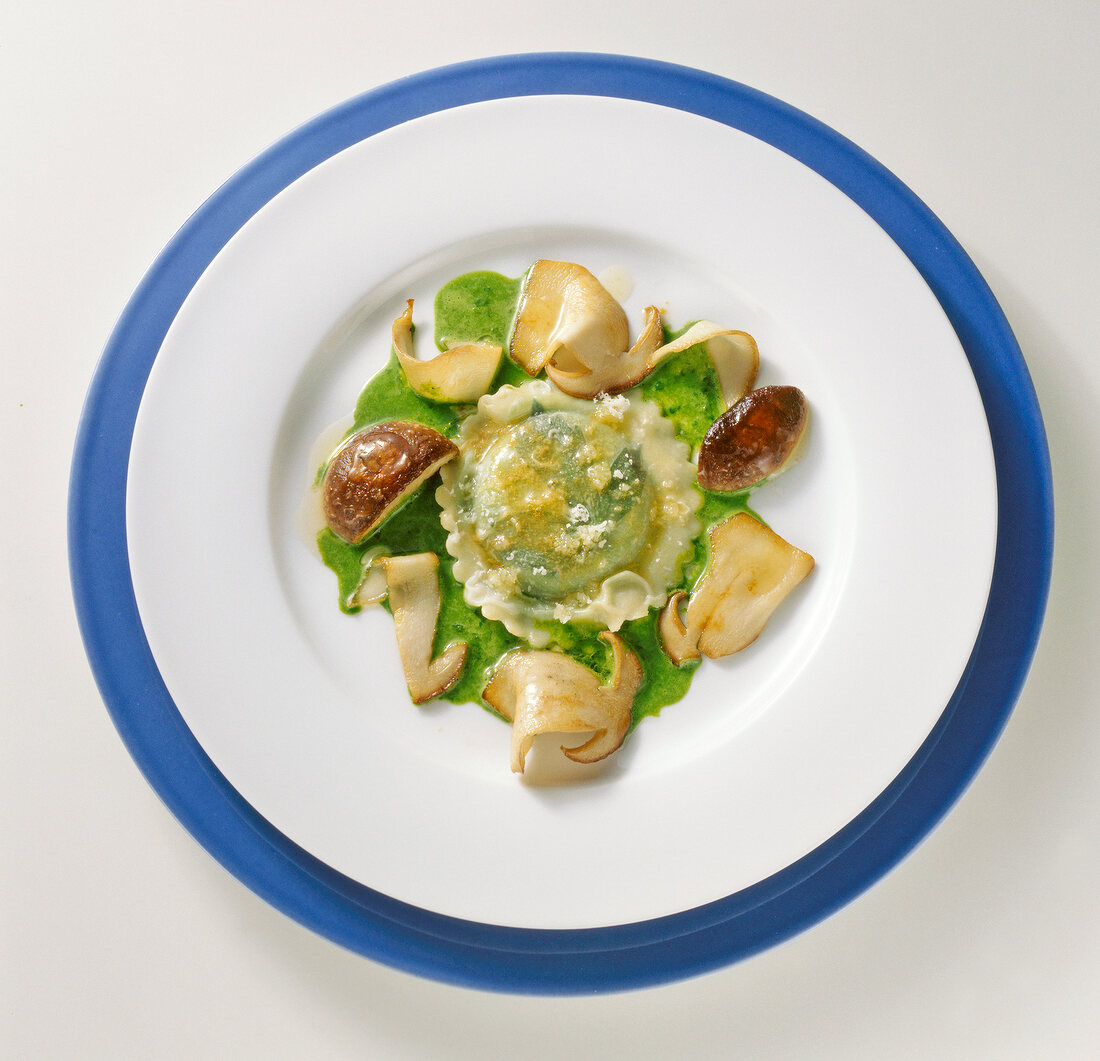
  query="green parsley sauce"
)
[{"x": 475, "y": 307}]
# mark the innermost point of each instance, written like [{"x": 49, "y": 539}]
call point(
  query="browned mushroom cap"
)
[
  {"x": 376, "y": 469},
  {"x": 540, "y": 691},
  {"x": 755, "y": 440}
]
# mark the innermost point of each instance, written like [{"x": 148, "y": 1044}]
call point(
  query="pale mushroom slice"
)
[
  {"x": 371, "y": 588},
  {"x": 462, "y": 373},
  {"x": 755, "y": 440},
  {"x": 413, "y": 583},
  {"x": 568, "y": 323},
  {"x": 609, "y": 370},
  {"x": 541, "y": 691},
  {"x": 733, "y": 353},
  {"x": 675, "y": 640},
  {"x": 374, "y": 470},
  {"x": 751, "y": 571},
  {"x": 565, "y": 313}
]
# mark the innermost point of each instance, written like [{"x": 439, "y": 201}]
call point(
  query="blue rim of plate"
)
[{"x": 541, "y": 961}]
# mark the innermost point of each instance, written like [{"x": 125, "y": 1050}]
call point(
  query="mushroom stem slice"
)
[
  {"x": 461, "y": 374},
  {"x": 755, "y": 440},
  {"x": 565, "y": 313},
  {"x": 374, "y": 470},
  {"x": 541, "y": 691},
  {"x": 413, "y": 584},
  {"x": 751, "y": 571}
]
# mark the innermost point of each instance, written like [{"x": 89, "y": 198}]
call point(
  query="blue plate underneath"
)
[{"x": 622, "y": 956}]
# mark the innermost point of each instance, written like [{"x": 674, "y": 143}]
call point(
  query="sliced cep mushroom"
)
[
  {"x": 752, "y": 569},
  {"x": 461, "y": 374},
  {"x": 565, "y": 313},
  {"x": 753, "y": 441},
  {"x": 541, "y": 691},
  {"x": 678, "y": 645},
  {"x": 733, "y": 353},
  {"x": 374, "y": 470},
  {"x": 611, "y": 369},
  {"x": 371, "y": 588},
  {"x": 413, "y": 583},
  {"x": 568, "y": 323}
]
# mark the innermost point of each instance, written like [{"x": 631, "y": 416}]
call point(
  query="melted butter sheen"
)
[{"x": 560, "y": 502}]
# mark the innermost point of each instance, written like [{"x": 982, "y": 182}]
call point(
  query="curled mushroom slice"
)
[
  {"x": 755, "y": 440},
  {"x": 371, "y": 588},
  {"x": 565, "y": 313},
  {"x": 374, "y": 470},
  {"x": 540, "y": 691},
  {"x": 752, "y": 569},
  {"x": 569, "y": 324},
  {"x": 413, "y": 584},
  {"x": 733, "y": 353},
  {"x": 678, "y": 645},
  {"x": 461, "y": 374},
  {"x": 609, "y": 370}
]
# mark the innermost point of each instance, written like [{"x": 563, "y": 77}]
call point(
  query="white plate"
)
[
  {"x": 304, "y": 709},
  {"x": 792, "y": 776}
]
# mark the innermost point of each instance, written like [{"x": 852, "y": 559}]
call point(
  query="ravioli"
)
[{"x": 559, "y": 509}]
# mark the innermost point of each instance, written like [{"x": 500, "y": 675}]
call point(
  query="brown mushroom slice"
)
[
  {"x": 755, "y": 440},
  {"x": 374, "y": 470},
  {"x": 565, "y": 313},
  {"x": 540, "y": 691},
  {"x": 461, "y": 374},
  {"x": 413, "y": 583},
  {"x": 751, "y": 571}
]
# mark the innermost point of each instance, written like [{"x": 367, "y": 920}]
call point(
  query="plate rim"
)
[{"x": 559, "y": 961}]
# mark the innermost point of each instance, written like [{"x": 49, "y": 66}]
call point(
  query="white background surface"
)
[{"x": 123, "y": 939}]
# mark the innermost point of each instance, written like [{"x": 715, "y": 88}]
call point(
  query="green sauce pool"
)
[{"x": 475, "y": 307}]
